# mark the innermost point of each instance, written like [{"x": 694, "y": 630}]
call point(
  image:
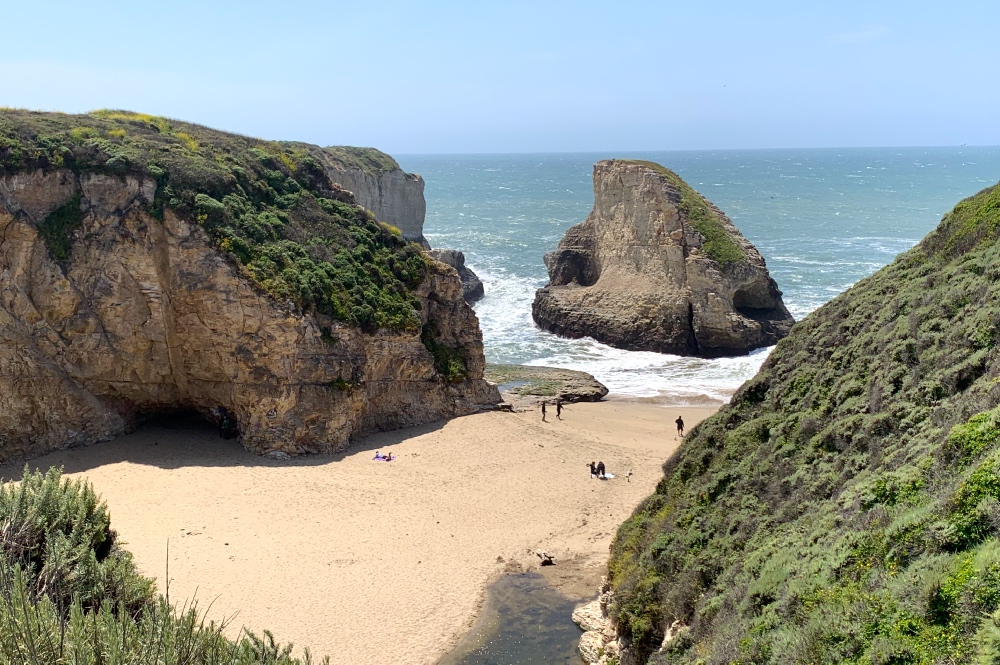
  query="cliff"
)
[
  {"x": 148, "y": 265},
  {"x": 379, "y": 185},
  {"x": 845, "y": 506},
  {"x": 394, "y": 197},
  {"x": 656, "y": 267},
  {"x": 472, "y": 286}
]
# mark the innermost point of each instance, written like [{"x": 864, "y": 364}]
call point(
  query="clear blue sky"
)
[{"x": 424, "y": 77}]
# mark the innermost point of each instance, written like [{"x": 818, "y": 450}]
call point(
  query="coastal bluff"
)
[
  {"x": 394, "y": 197},
  {"x": 150, "y": 266},
  {"x": 657, "y": 267},
  {"x": 380, "y": 185},
  {"x": 844, "y": 507}
]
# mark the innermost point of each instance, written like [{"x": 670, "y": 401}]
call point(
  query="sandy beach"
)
[{"x": 374, "y": 562}]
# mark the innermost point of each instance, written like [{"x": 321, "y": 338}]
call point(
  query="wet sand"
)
[{"x": 374, "y": 562}]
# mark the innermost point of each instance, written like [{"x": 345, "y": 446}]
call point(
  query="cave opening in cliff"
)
[
  {"x": 219, "y": 420},
  {"x": 757, "y": 306}
]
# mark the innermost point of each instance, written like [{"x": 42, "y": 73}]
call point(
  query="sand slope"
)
[{"x": 366, "y": 561}]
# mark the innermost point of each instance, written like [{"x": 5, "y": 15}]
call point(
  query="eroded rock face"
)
[
  {"x": 146, "y": 316},
  {"x": 472, "y": 286},
  {"x": 656, "y": 267}
]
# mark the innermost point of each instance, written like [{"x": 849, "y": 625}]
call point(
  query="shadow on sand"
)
[{"x": 186, "y": 440}]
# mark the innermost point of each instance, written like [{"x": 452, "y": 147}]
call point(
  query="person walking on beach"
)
[
  {"x": 559, "y": 409},
  {"x": 543, "y": 412},
  {"x": 680, "y": 427}
]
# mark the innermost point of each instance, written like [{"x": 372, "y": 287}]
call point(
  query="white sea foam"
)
[{"x": 510, "y": 335}]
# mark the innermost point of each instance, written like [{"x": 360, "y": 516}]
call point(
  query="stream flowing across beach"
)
[
  {"x": 822, "y": 218},
  {"x": 524, "y": 622}
]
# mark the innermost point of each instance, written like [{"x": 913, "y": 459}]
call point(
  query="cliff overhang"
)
[{"x": 149, "y": 265}]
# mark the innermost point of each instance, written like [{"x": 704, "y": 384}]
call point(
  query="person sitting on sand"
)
[
  {"x": 593, "y": 470},
  {"x": 600, "y": 470}
]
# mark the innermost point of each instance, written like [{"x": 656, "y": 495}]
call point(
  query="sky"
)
[{"x": 485, "y": 77}]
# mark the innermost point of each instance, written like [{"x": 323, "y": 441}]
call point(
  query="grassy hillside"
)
[
  {"x": 845, "y": 507},
  {"x": 269, "y": 206},
  {"x": 70, "y": 594}
]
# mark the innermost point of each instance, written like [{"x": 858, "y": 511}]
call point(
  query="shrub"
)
[
  {"x": 69, "y": 594},
  {"x": 270, "y": 207},
  {"x": 845, "y": 506}
]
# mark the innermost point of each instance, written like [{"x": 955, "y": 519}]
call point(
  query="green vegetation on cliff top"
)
[
  {"x": 270, "y": 206},
  {"x": 71, "y": 595},
  {"x": 371, "y": 160},
  {"x": 845, "y": 506},
  {"x": 719, "y": 242}
]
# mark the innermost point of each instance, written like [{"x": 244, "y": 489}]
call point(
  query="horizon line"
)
[{"x": 660, "y": 150}]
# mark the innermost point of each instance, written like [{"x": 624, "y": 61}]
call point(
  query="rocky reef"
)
[
  {"x": 528, "y": 385},
  {"x": 148, "y": 265},
  {"x": 844, "y": 507},
  {"x": 657, "y": 267}
]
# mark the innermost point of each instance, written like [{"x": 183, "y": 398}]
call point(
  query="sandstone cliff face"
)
[
  {"x": 656, "y": 267},
  {"x": 393, "y": 196},
  {"x": 146, "y": 316},
  {"x": 472, "y": 286}
]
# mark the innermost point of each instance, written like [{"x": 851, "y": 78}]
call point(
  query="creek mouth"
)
[{"x": 524, "y": 621}]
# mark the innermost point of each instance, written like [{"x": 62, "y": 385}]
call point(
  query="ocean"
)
[{"x": 822, "y": 219}]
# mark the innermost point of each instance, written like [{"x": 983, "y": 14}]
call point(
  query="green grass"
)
[
  {"x": 845, "y": 506},
  {"x": 269, "y": 206},
  {"x": 719, "y": 243},
  {"x": 71, "y": 595}
]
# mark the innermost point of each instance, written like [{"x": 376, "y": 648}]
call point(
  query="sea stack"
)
[
  {"x": 150, "y": 266},
  {"x": 657, "y": 267}
]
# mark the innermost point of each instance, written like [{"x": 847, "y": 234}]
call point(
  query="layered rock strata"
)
[
  {"x": 472, "y": 286},
  {"x": 146, "y": 316},
  {"x": 656, "y": 267}
]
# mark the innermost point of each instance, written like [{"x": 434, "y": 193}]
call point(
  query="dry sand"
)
[{"x": 374, "y": 562}]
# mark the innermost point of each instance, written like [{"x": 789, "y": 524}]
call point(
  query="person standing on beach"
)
[
  {"x": 543, "y": 412},
  {"x": 680, "y": 427},
  {"x": 559, "y": 409}
]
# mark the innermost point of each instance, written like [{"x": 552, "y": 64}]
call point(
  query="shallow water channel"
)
[{"x": 524, "y": 622}]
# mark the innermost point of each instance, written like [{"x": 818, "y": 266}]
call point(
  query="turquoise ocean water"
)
[{"x": 823, "y": 219}]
